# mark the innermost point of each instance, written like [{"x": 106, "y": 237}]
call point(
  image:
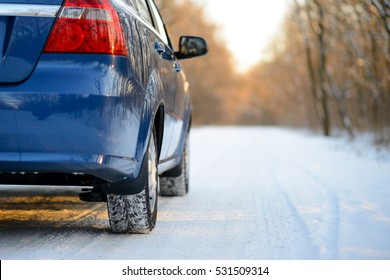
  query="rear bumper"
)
[
  {"x": 107, "y": 168},
  {"x": 67, "y": 133},
  {"x": 75, "y": 117}
]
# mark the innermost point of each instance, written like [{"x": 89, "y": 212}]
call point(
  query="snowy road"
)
[{"x": 255, "y": 193}]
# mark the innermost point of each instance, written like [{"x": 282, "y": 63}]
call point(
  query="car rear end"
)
[{"x": 70, "y": 104}]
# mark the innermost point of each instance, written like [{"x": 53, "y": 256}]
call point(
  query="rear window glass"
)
[{"x": 144, "y": 11}]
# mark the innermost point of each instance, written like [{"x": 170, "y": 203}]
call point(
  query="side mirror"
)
[{"x": 191, "y": 46}]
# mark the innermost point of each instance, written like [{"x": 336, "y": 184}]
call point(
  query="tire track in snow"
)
[
  {"x": 287, "y": 234},
  {"x": 317, "y": 206},
  {"x": 332, "y": 217},
  {"x": 274, "y": 231}
]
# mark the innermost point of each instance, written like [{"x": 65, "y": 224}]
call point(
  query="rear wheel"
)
[
  {"x": 177, "y": 186},
  {"x": 137, "y": 213}
]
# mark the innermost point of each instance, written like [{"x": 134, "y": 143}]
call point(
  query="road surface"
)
[{"x": 255, "y": 193}]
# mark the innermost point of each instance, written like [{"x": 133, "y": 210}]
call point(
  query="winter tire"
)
[
  {"x": 137, "y": 213},
  {"x": 177, "y": 186}
]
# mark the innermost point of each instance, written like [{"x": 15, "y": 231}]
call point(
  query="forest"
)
[{"x": 332, "y": 75}]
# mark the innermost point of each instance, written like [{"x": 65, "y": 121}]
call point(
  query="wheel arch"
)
[{"x": 158, "y": 124}]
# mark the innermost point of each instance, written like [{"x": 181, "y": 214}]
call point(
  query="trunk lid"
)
[{"x": 24, "y": 28}]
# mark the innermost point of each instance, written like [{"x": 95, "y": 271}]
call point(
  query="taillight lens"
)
[{"x": 87, "y": 27}]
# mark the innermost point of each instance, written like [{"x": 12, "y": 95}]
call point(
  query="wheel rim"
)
[{"x": 152, "y": 175}]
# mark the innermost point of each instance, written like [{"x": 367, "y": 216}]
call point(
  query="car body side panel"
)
[
  {"x": 147, "y": 67},
  {"x": 176, "y": 97}
]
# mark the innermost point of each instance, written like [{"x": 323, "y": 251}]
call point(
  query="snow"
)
[{"x": 255, "y": 193}]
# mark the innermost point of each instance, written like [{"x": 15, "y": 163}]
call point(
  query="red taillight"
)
[{"x": 87, "y": 27}]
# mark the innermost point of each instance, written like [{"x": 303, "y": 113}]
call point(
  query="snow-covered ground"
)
[{"x": 255, "y": 193}]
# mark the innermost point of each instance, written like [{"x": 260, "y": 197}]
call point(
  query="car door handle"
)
[
  {"x": 159, "y": 47},
  {"x": 177, "y": 67}
]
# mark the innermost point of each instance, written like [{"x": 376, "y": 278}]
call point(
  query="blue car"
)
[{"x": 92, "y": 94}]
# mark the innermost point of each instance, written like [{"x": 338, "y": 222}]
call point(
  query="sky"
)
[{"x": 246, "y": 25}]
